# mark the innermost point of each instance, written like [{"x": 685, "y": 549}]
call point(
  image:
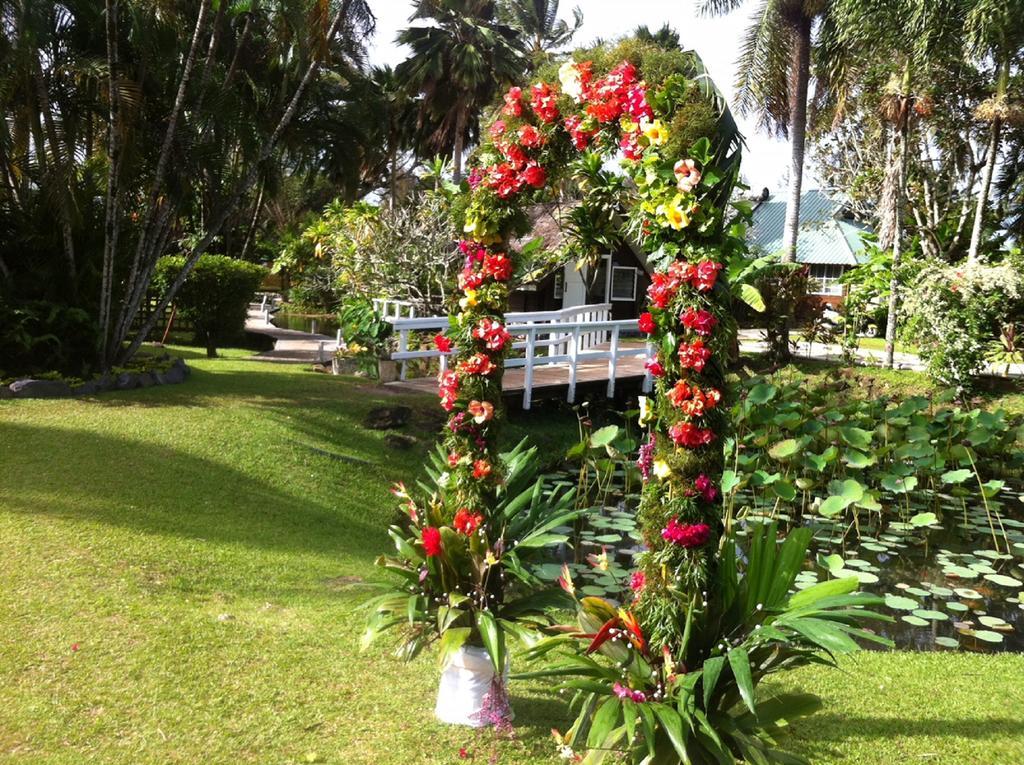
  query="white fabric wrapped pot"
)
[{"x": 470, "y": 694}]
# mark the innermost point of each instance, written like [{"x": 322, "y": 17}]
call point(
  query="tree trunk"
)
[
  {"x": 900, "y": 158},
  {"x": 800, "y": 72},
  {"x": 246, "y": 184},
  {"x": 112, "y": 215},
  {"x": 995, "y": 131},
  {"x": 254, "y": 221},
  {"x": 460, "y": 137}
]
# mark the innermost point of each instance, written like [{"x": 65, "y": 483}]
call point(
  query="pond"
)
[
  {"x": 956, "y": 585},
  {"x": 324, "y": 324}
]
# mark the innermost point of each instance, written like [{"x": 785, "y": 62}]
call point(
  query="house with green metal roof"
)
[{"x": 829, "y": 241}]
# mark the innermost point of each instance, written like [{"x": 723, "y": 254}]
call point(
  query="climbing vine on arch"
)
[{"x": 640, "y": 134}]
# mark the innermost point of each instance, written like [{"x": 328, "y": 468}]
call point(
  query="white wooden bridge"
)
[{"x": 550, "y": 348}]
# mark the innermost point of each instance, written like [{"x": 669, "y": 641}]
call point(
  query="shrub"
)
[
  {"x": 215, "y": 296},
  {"x": 39, "y": 336},
  {"x": 955, "y": 312}
]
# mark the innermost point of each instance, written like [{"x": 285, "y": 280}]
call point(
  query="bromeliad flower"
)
[{"x": 431, "y": 541}]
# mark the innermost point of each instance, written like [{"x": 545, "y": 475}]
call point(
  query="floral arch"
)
[{"x": 683, "y": 656}]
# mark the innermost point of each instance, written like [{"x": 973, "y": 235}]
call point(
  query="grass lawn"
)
[{"x": 181, "y": 570}]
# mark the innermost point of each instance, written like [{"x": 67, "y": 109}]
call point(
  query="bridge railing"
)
[{"x": 568, "y": 337}]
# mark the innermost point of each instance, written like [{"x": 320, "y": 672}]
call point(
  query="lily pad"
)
[
  {"x": 955, "y": 606},
  {"x": 900, "y": 603},
  {"x": 968, "y": 593},
  {"x": 1003, "y": 580},
  {"x": 935, "y": 616},
  {"x": 988, "y": 636},
  {"x": 917, "y": 621},
  {"x": 947, "y": 642}
]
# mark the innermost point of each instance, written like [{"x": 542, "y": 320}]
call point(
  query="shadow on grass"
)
[
  {"x": 822, "y": 728},
  {"x": 159, "y": 490}
]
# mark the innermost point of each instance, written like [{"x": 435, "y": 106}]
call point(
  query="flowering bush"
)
[{"x": 955, "y": 312}]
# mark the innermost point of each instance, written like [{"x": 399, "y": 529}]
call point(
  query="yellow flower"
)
[
  {"x": 661, "y": 469},
  {"x": 676, "y": 215},
  {"x": 656, "y": 132},
  {"x": 646, "y": 410},
  {"x": 469, "y": 301},
  {"x": 627, "y": 125},
  {"x": 490, "y": 560}
]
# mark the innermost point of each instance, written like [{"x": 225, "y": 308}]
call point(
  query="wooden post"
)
[
  {"x": 573, "y": 353},
  {"x": 403, "y": 347},
  {"x": 613, "y": 361},
  {"x": 531, "y": 338},
  {"x": 648, "y": 380}
]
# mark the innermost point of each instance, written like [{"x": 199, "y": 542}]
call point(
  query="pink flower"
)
[
  {"x": 646, "y": 323},
  {"x": 636, "y": 102},
  {"x": 690, "y": 436},
  {"x": 687, "y": 175},
  {"x": 707, "y": 274},
  {"x": 624, "y": 692},
  {"x": 514, "y": 102},
  {"x": 707, "y": 489},
  {"x": 654, "y": 366},
  {"x": 637, "y": 581},
  {"x": 688, "y": 535},
  {"x": 645, "y": 459},
  {"x": 497, "y": 129},
  {"x": 544, "y": 102},
  {"x": 700, "y": 321}
]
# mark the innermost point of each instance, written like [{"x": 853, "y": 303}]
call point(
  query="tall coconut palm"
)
[
  {"x": 461, "y": 57},
  {"x": 995, "y": 31},
  {"x": 538, "y": 24}
]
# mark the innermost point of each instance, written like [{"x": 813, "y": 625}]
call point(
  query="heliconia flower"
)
[
  {"x": 694, "y": 355},
  {"x": 600, "y": 562},
  {"x": 399, "y": 490},
  {"x": 655, "y": 132},
  {"x": 543, "y": 100},
  {"x": 646, "y": 323},
  {"x": 480, "y": 411},
  {"x": 534, "y": 175},
  {"x": 481, "y": 469},
  {"x": 565, "y": 580},
  {"x": 637, "y": 581},
  {"x": 688, "y": 535},
  {"x": 443, "y": 343},
  {"x": 513, "y": 102},
  {"x": 466, "y": 522},
  {"x": 530, "y": 137},
  {"x": 687, "y": 175},
  {"x": 688, "y": 435},
  {"x": 700, "y": 321},
  {"x": 498, "y": 267},
  {"x": 431, "y": 541}
]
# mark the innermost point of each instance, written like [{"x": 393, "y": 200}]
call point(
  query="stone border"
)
[{"x": 30, "y": 388}]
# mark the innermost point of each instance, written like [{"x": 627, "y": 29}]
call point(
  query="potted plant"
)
[
  {"x": 466, "y": 580},
  {"x": 369, "y": 336}
]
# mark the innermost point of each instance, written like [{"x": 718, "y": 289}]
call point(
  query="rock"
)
[
  {"x": 387, "y": 417},
  {"x": 92, "y": 387},
  {"x": 174, "y": 375},
  {"x": 6, "y": 392},
  {"x": 146, "y": 380},
  {"x": 127, "y": 381},
  {"x": 400, "y": 441},
  {"x": 40, "y": 389}
]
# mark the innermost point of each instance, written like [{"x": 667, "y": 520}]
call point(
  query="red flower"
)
[
  {"x": 530, "y": 137},
  {"x": 470, "y": 279},
  {"x": 663, "y": 288},
  {"x": 637, "y": 581},
  {"x": 498, "y": 267},
  {"x": 466, "y": 522},
  {"x": 707, "y": 489},
  {"x": 477, "y": 364},
  {"x": 514, "y": 153},
  {"x": 689, "y": 535},
  {"x": 636, "y": 102},
  {"x": 654, "y": 366},
  {"x": 444, "y": 344},
  {"x": 497, "y": 129},
  {"x": 631, "y": 147},
  {"x": 688, "y": 435},
  {"x": 463, "y": 754},
  {"x": 580, "y": 137},
  {"x": 707, "y": 274},
  {"x": 701, "y": 322},
  {"x": 646, "y": 323},
  {"x": 449, "y": 389},
  {"x": 544, "y": 102},
  {"x": 453, "y": 459},
  {"x": 535, "y": 175},
  {"x": 481, "y": 469},
  {"x": 514, "y": 102},
  {"x": 431, "y": 541},
  {"x": 493, "y": 333},
  {"x": 694, "y": 355},
  {"x": 694, "y": 402}
]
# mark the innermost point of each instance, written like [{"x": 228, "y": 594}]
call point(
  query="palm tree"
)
[
  {"x": 538, "y": 24},
  {"x": 460, "y": 59},
  {"x": 995, "y": 31},
  {"x": 666, "y": 37}
]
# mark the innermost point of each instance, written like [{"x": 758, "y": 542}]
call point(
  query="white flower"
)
[{"x": 572, "y": 83}]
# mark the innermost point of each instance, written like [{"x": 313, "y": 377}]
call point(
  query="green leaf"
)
[
  {"x": 712, "y": 670},
  {"x": 604, "y": 721},
  {"x": 729, "y": 481},
  {"x": 751, "y": 295},
  {"x": 924, "y": 519},
  {"x": 452, "y": 640},
  {"x": 956, "y": 476},
  {"x": 784, "y": 449},
  {"x": 739, "y": 661},
  {"x": 604, "y": 436},
  {"x": 494, "y": 639},
  {"x": 826, "y": 589},
  {"x": 762, "y": 393},
  {"x": 672, "y": 724}
]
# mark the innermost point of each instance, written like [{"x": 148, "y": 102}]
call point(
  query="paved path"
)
[{"x": 290, "y": 346}]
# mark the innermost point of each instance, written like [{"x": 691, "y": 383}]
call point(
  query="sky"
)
[{"x": 716, "y": 40}]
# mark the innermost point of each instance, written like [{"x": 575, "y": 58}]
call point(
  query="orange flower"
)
[
  {"x": 481, "y": 411},
  {"x": 481, "y": 469}
]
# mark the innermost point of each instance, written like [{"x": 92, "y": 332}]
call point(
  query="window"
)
[
  {"x": 623, "y": 283},
  {"x": 824, "y": 279},
  {"x": 559, "y": 285}
]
